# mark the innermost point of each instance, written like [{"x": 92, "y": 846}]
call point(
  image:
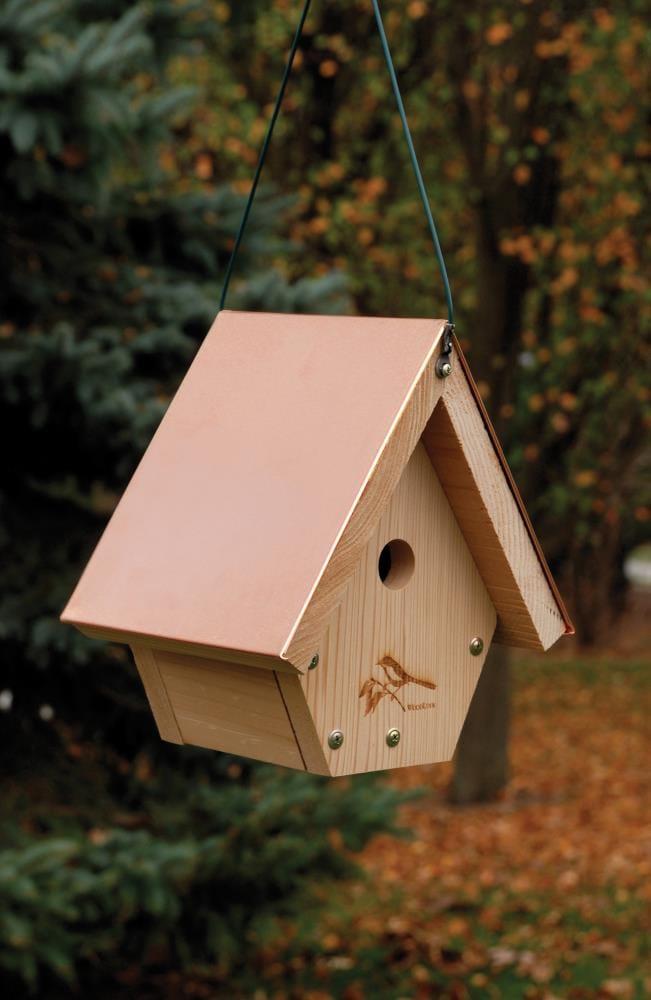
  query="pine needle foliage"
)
[{"x": 118, "y": 850}]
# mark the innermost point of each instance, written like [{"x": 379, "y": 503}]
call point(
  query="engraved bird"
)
[{"x": 374, "y": 690}]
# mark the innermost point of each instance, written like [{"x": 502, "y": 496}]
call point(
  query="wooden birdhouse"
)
[{"x": 318, "y": 547}]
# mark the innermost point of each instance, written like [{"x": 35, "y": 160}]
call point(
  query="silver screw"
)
[
  {"x": 314, "y": 662},
  {"x": 443, "y": 368},
  {"x": 335, "y": 739},
  {"x": 393, "y": 737},
  {"x": 476, "y": 646}
]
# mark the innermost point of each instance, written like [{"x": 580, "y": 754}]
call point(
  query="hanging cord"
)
[
  {"x": 263, "y": 151},
  {"x": 414, "y": 162},
  {"x": 443, "y": 368}
]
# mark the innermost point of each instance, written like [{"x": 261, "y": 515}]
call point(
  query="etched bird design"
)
[{"x": 396, "y": 677}]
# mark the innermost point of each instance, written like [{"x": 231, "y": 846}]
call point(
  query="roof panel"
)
[{"x": 234, "y": 509}]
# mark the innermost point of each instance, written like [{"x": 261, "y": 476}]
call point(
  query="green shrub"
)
[{"x": 222, "y": 862}]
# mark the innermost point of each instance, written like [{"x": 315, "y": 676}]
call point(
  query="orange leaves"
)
[
  {"x": 471, "y": 90},
  {"x": 581, "y": 59},
  {"x": 522, "y": 246},
  {"x": 560, "y": 423},
  {"x": 497, "y": 34},
  {"x": 550, "y": 49},
  {"x": 416, "y": 9},
  {"x": 412, "y": 271},
  {"x": 567, "y": 346},
  {"x": 329, "y": 68},
  {"x": 585, "y": 478},
  {"x": 618, "y": 243},
  {"x": 203, "y": 166},
  {"x": 241, "y": 150},
  {"x": 624, "y": 204},
  {"x": 604, "y": 19},
  {"x": 350, "y": 212},
  {"x": 568, "y": 401},
  {"x": 510, "y": 73},
  {"x": 568, "y": 277},
  {"x": 622, "y": 119},
  {"x": 590, "y": 314},
  {"x": 318, "y": 225},
  {"x": 571, "y": 252},
  {"x": 540, "y": 135},
  {"x": 370, "y": 190},
  {"x": 167, "y": 160},
  {"x": 522, "y": 174},
  {"x": 330, "y": 174}
]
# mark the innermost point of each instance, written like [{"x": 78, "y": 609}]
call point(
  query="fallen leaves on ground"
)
[{"x": 546, "y": 893}]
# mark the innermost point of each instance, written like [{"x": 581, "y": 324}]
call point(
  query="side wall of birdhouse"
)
[{"x": 231, "y": 707}]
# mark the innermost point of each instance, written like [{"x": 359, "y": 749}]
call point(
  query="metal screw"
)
[
  {"x": 314, "y": 662},
  {"x": 335, "y": 739},
  {"x": 393, "y": 737},
  {"x": 443, "y": 368},
  {"x": 476, "y": 646}
]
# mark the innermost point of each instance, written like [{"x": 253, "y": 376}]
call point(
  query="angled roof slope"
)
[
  {"x": 242, "y": 493},
  {"x": 269, "y": 473}
]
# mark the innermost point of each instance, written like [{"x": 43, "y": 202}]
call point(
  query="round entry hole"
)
[{"x": 396, "y": 564}]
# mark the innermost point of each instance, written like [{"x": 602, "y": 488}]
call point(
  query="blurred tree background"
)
[{"x": 129, "y": 132}]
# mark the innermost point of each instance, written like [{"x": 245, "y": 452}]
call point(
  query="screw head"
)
[
  {"x": 335, "y": 739},
  {"x": 393, "y": 737},
  {"x": 443, "y": 368},
  {"x": 314, "y": 662},
  {"x": 477, "y": 646}
]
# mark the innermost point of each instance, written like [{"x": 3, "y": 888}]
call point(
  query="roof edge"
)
[
  {"x": 492, "y": 434},
  {"x": 262, "y": 661}
]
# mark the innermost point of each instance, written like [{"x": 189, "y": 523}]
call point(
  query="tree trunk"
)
[
  {"x": 481, "y": 768},
  {"x": 482, "y": 759}
]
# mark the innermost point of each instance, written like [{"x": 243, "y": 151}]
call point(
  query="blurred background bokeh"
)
[{"x": 129, "y": 132}]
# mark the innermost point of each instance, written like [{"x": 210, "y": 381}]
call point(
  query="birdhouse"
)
[{"x": 318, "y": 547}]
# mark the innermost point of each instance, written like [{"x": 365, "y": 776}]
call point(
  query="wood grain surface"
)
[
  {"x": 425, "y": 628},
  {"x": 470, "y": 472},
  {"x": 228, "y": 707},
  {"x": 362, "y": 519}
]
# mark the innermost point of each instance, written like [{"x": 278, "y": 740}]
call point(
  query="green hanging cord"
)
[
  {"x": 263, "y": 151},
  {"x": 414, "y": 162},
  {"x": 443, "y": 367}
]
